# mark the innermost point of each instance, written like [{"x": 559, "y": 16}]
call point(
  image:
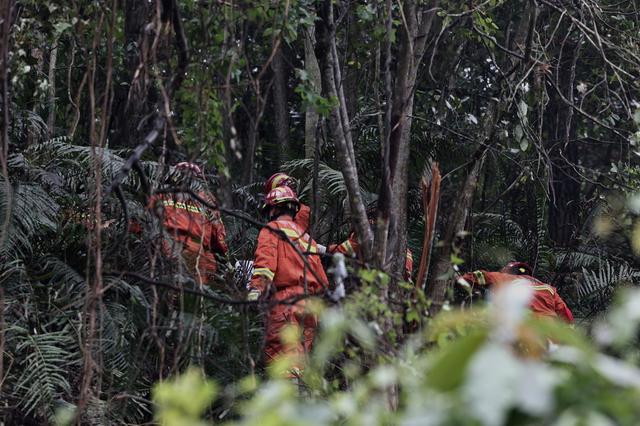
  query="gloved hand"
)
[
  {"x": 464, "y": 283},
  {"x": 253, "y": 295}
]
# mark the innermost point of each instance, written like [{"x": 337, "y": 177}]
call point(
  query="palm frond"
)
[
  {"x": 541, "y": 229},
  {"x": 26, "y": 122},
  {"x": 10, "y": 270},
  {"x": 605, "y": 279},
  {"x": 31, "y": 211},
  {"x": 44, "y": 360},
  {"x": 117, "y": 335},
  {"x": 489, "y": 255},
  {"x": 250, "y": 195},
  {"x": 59, "y": 163},
  {"x": 66, "y": 283},
  {"x": 330, "y": 181},
  {"x": 579, "y": 258},
  {"x": 499, "y": 228}
]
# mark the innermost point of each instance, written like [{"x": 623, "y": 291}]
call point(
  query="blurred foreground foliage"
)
[{"x": 492, "y": 365}]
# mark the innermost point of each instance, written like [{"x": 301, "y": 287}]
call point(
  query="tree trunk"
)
[
  {"x": 559, "y": 130},
  {"x": 132, "y": 102},
  {"x": 413, "y": 38},
  {"x": 441, "y": 276},
  {"x": 280, "y": 75},
  {"x": 340, "y": 125},
  {"x": 250, "y": 151},
  {"x": 384, "y": 129},
  {"x": 254, "y": 116},
  {"x": 39, "y": 66},
  {"x": 450, "y": 243},
  {"x": 51, "y": 95},
  {"x": 232, "y": 148},
  {"x": 6, "y": 20},
  {"x": 315, "y": 79}
]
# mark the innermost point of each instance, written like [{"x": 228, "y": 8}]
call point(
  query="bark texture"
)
[
  {"x": 441, "y": 277},
  {"x": 315, "y": 79},
  {"x": 280, "y": 77},
  {"x": 417, "y": 24},
  {"x": 340, "y": 126},
  {"x": 134, "y": 100},
  {"x": 559, "y": 133}
]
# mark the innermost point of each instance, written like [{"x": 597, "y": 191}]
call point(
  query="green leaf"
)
[
  {"x": 447, "y": 372},
  {"x": 523, "y": 109},
  {"x": 518, "y": 132},
  {"x": 412, "y": 315},
  {"x": 61, "y": 27},
  {"x": 365, "y": 12},
  {"x": 184, "y": 399}
]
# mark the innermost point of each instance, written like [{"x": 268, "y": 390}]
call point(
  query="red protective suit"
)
[
  {"x": 198, "y": 230},
  {"x": 303, "y": 217},
  {"x": 351, "y": 248},
  {"x": 279, "y": 268},
  {"x": 546, "y": 302}
]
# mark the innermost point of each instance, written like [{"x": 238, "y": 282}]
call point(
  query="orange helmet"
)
[
  {"x": 281, "y": 195},
  {"x": 517, "y": 268},
  {"x": 278, "y": 180}
]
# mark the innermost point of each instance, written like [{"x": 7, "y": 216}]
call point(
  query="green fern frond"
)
[
  {"x": 578, "y": 259},
  {"x": 606, "y": 278},
  {"x": 117, "y": 335},
  {"x": 63, "y": 277},
  {"x": 330, "y": 179},
  {"x": 499, "y": 229},
  {"x": 31, "y": 211},
  {"x": 13, "y": 274},
  {"x": 43, "y": 360},
  {"x": 331, "y": 182},
  {"x": 59, "y": 163}
]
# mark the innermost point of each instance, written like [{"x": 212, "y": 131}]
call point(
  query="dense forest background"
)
[{"x": 531, "y": 110}]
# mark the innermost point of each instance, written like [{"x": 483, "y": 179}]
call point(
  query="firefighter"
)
[
  {"x": 545, "y": 302},
  {"x": 303, "y": 217},
  {"x": 277, "y": 180},
  {"x": 281, "y": 276},
  {"x": 193, "y": 229}
]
